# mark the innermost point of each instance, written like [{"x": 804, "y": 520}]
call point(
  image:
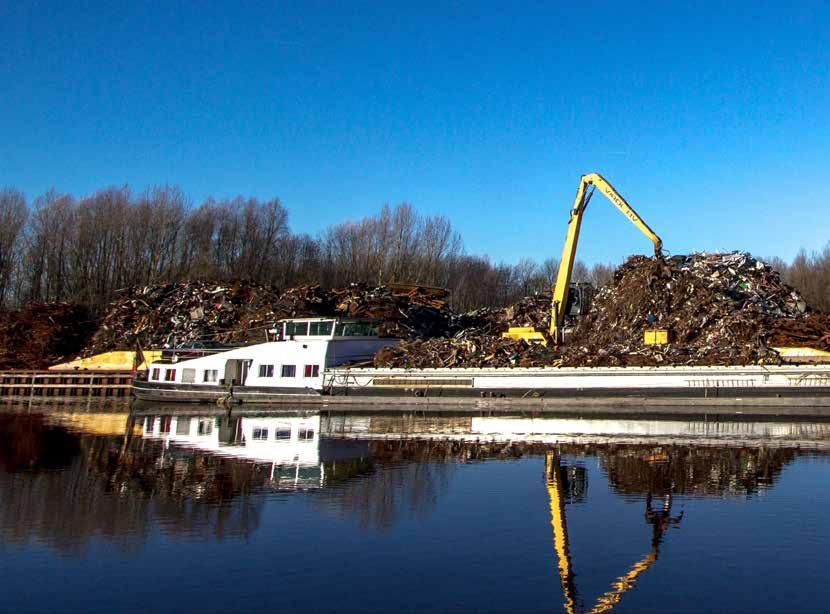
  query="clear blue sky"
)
[{"x": 712, "y": 119}]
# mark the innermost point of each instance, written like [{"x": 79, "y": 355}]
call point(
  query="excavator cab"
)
[{"x": 580, "y": 298}]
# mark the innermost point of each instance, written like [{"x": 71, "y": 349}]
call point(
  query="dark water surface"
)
[{"x": 164, "y": 510}]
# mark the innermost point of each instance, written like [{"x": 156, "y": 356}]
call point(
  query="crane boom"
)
[{"x": 587, "y": 185}]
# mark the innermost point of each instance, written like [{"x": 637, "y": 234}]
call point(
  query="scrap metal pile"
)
[
  {"x": 405, "y": 311},
  {"x": 474, "y": 340},
  {"x": 720, "y": 309},
  {"x": 812, "y": 330},
  {"x": 197, "y": 313},
  {"x": 43, "y": 334},
  {"x": 173, "y": 314}
]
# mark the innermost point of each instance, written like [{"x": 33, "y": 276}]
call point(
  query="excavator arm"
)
[{"x": 587, "y": 185}]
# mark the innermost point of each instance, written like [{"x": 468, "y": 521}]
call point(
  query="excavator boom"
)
[{"x": 587, "y": 185}]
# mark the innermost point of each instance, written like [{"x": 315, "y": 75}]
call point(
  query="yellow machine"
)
[
  {"x": 587, "y": 186},
  {"x": 525, "y": 333}
]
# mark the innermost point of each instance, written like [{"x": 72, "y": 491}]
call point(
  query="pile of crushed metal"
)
[
  {"x": 719, "y": 309},
  {"x": 42, "y": 334},
  {"x": 199, "y": 314},
  {"x": 474, "y": 340}
]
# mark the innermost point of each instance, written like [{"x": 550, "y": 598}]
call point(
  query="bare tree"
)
[
  {"x": 601, "y": 274},
  {"x": 50, "y": 237},
  {"x": 86, "y": 250},
  {"x": 13, "y": 214}
]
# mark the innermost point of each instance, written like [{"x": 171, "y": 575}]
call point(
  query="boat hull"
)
[
  {"x": 726, "y": 385},
  {"x": 193, "y": 393}
]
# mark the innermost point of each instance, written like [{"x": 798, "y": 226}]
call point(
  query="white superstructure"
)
[{"x": 294, "y": 363}]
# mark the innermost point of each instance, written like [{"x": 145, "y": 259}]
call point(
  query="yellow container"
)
[{"x": 656, "y": 336}]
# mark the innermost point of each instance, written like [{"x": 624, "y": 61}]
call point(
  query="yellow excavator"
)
[
  {"x": 661, "y": 520},
  {"x": 568, "y": 297}
]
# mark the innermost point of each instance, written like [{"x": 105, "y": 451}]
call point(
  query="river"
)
[{"x": 170, "y": 509}]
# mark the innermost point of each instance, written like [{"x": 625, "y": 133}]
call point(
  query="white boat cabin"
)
[{"x": 303, "y": 348}]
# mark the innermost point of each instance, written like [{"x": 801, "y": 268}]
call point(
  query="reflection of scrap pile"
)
[{"x": 667, "y": 470}]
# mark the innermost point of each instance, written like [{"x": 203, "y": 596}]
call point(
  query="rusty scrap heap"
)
[
  {"x": 187, "y": 313},
  {"x": 720, "y": 309},
  {"x": 475, "y": 341},
  {"x": 42, "y": 334},
  {"x": 171, "y": 314},
  {"x": 406, "y": 311}
]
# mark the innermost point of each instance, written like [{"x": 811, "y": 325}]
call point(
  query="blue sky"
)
[{"x": 712, "y": 119}]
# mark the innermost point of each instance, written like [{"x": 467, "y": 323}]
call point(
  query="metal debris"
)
[
  {"x": 720, "y": 309},
  {"x": 188, "y": 314},
  {"x": 474, "y": 340},
  {"x": 43, "y": 334}
]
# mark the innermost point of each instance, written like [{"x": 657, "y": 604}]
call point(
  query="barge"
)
[{"x": 322, "y": 360}]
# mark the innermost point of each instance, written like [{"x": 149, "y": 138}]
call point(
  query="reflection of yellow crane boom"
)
[
  {"x": 624, "y": 583},
  {"x": 587, "y": 185},
  {"x": 560, "y": 531}
]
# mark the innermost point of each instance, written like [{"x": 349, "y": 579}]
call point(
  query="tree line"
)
[{"x": 85, "y": 250}]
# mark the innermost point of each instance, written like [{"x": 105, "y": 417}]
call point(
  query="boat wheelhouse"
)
[{"x": 292, "y": 364}]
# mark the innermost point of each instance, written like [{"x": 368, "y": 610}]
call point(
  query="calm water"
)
[{"x": 162, "y": 511}]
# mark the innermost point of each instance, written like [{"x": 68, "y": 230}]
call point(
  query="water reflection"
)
[
  {"x": 69, "y": 475},
  {"x": 568, "y": 484},
  {"x": 289, "y": 444}
]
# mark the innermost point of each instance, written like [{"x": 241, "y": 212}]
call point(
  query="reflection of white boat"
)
[
  {"x": 553, "y": 430},
  {"x": 290, "y": 444}
]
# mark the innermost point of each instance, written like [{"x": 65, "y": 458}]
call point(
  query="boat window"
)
[
  {"x": 156, "y": 374},
  {"x": 259, "y": 434},
  {"x": 169, "y": 375},
  {"x": 289, "y": 371},
  {"x": 320, "y": 328},
  {"x": 296, "y": 328},
  {"x": 311, "y": 371},
  {"x": 282, "y": 432},
  {"x": 206, "y": 426},
  {"x": 266, "y": 370},
  {"x": 165, "y": 425},
  {"x": 306, "y": 434},
  {"x": 188, "y": 376},
  {"x": 183, "y": 426},
  {"x": 149, "y": 423},
  {"x": 211, "y": 375},
  {"x": 355, "y": 329}
]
